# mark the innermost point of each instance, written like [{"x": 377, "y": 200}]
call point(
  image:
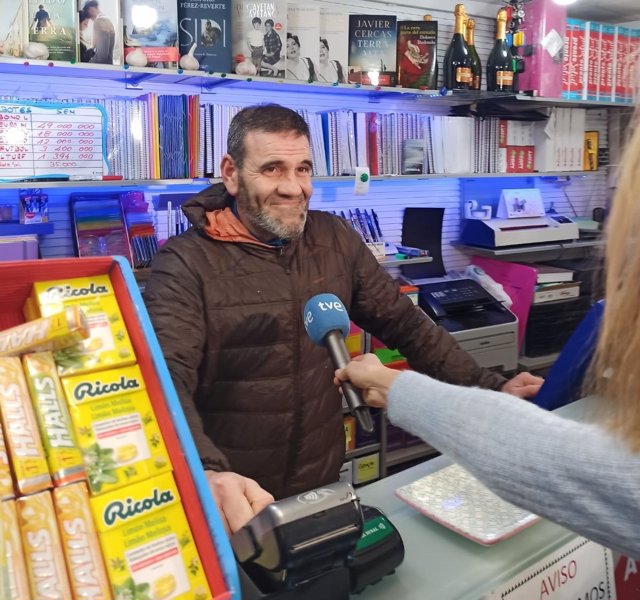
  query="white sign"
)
[
  {"x": 516, "y": 204},
  {"x": 580, "y": 570}
]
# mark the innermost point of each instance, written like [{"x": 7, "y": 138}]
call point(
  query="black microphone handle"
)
[{"x": 340, "y": 358}]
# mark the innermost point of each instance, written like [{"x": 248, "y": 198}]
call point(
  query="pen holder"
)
[{"x": 377, "y": 249}]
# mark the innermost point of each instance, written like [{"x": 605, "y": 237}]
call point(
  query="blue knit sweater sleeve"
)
[{"x": 575, "y": 474}]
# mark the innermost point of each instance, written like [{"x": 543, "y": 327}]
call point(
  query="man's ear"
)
[{"x": 229, "y": 172}]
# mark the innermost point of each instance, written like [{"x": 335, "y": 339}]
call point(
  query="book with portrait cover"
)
[
  {"x": 99, "y": 32},
  {"x": 150, "y": 33},
  {"x": 204, "y": 35},
  {"x": 259, "y": 37},
  {"x": 53, "y": 23},
  {"x": 334, "y": 45},
  {"x": 417, "y": 62},
  {"x": 303, "y": 42},
  {"x": 13, "y": 28},
  {"x": 372, "y": 49}
]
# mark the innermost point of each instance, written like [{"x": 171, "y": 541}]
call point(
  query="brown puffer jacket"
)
[{"x": 257, "y": 393}]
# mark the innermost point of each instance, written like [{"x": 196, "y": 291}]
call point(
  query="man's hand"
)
[
  {"x": 238, "y": 498},
  {"x": 523, "y": 385}
]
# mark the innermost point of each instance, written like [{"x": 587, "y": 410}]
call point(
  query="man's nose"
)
[{"x": 290, "y": 184}]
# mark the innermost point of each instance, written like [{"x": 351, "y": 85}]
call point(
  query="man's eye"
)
[
  {"x": 304, "y": 170},
  {"x": 270, "y": 170}
]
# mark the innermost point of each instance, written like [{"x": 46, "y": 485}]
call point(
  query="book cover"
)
[
  {"x": 334, "y": 46},
  {"x": 303, "y": 42},
  {"x": 99, "y": 32},
  {"x": 204, "y": 35},
  {"x": 52, "y": 23},
  {"x": 150, "y": 33},
  {"x": 259, "y": 37},
  {"x": 621, "y": 54},
  {"x": 416, "y": 54},
  {"x": 13, "y": 28},
  {"x": 550, "y": 292},
  {"x": 412, "y": 157},
  {"x": 605, "y": 89},
  {"x": 372, "y": 49},
  {"x": 549, "y": 274}
]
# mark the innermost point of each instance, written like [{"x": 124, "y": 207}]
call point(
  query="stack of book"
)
[{"x": 554, "y": 283}]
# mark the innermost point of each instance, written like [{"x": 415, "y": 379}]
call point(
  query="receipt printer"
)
[{"x": 314, "y": 546}]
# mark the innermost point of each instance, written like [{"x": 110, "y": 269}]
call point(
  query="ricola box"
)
[
  {"x": 116, "y": 428},
  {"x": 108, "y": 344},
  {"x": 148, "y": 544}
]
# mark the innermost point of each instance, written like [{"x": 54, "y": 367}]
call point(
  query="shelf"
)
[
  {"x": 20, "y": 229},
  {"x": 539, "y": 102},
  {"x": 402, "y": 455},
  {"x": 534, "y": 252},
  {"x": 363, "y": 451},
  {"x": 398, "y": 262},
  {"x": 537, "y": 362}
]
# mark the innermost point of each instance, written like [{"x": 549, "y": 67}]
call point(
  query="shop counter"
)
[{"x": 442, "y": 565}]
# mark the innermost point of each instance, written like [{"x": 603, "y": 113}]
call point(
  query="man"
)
[
  {"x": 226, "y": 301},
  {"x": 272, "y": 48},
  {"x": 255, "y": 42},
  {"x": 104, "y": 34},
  {"x": 41, "y": 20}
]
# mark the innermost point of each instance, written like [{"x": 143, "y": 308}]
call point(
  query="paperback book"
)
[
  {"x": 204, "y": 35},
  {"x": 99, "y": 32},
  {"x": 13, "y": 28},
  {"x": 259, "y": 38},
  {"x": 150, "y": 33},
  {"x": 52, "y": 29},
  {"x": 303, "y": 46},
  {"x": 417, "y": 61},
  {"x": 334, "y": 46},
  {"x": 372, "y": 49}
]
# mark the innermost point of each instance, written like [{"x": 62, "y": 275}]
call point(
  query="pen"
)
[{"x": 375, "y": 220}]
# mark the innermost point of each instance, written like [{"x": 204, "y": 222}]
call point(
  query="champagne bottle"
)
[
  {"x": 457, "y": 62},
  {"x": 500, "y": 62},
  {"x": 476, "y": 65}
]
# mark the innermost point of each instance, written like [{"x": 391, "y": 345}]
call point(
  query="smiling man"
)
[{"x": 226, "y": 301}]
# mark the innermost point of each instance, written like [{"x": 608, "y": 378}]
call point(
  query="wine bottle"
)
[
  {"x": 500, "y": 62},
  {"x": 457, "y": 62},
  {"x": 476, "y": 65}
]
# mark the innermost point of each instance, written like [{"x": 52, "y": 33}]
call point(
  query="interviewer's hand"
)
[
  {"x": 523, "y": 385},
  {"x": 238, "y": 498},
  {"x": 367, "y": 373}
]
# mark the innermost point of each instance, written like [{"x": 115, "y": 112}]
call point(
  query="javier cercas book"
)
[
  {"x": 150, "y": 33},
  {"x": 417, "y": 62},
  {"x": 52, "y": 23},
  {"x": 372, "y": 49},
  {"x": 259, "y": 37},
  {"x": 99, "y": 32},
  {"x": 204, "y": 35}
]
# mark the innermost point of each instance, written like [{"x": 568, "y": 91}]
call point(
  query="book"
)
[
  {"x": 549, "y": 274},
  {"x": 334, "y": 46},
  {"x": 550, "y": 292},
  {"x": 303, "y": 42},
  {"x": 372, "y": 49},
  {"x": 416, "y": 59},
  {"x": 99, "y": 32},
  {"x": 150, "y": 33},
  {"x": 52, "y": 24},
  {"x": 259, "y": 37},
  {"x": 13, "y": 28},
  {"x": 204, "y": 35},
  {"x": 412, "y": 157}
]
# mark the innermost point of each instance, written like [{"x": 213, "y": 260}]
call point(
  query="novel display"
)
[
  {"x": 417, "y": 61},
  {"x": 52, "y": 29},
  {"x": 99, "y": 32},
  {"x": 372, "y": 49}
]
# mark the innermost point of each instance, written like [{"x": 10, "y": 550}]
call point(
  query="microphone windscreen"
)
[{"x": 324, "y": 313}]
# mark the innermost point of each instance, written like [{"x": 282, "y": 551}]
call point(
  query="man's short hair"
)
[
  {"x": 269, "y": 22},
  {"x": 90, "y": 4},
  {"x": 270, "y": 118},
  {"x": 256, "y": 20}
]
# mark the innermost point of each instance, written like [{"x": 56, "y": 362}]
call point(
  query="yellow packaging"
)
[
  {"x": 147, "y": 542},
  {"x": 18, "y": 582},
  {"x": 101, "y": 385},
  {"x": 108, "y": 344},
  {"x": 6, "y": 483},
  {"x": 66, "y": 328},
  {"x": 42, "y": 548},
  {"x": 120, "y": 440},
  {"x": 81, "y": 548},
  {"x": 65, "y": 460},
  {"x": 21, "y": 430}
]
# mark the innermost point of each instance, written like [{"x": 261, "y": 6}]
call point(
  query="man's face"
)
[
  {"x": 268, "y": 27},
  {"x": 93, "y": 12},
  {"x": 273, "y": 187}
]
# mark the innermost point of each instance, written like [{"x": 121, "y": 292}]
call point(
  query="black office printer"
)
[{"x": 479, "y": 323}]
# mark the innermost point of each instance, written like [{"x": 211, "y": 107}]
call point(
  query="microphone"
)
[{"x": 327, "y": 324}]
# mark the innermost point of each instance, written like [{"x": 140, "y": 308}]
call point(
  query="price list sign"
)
[{"x": 45, "y": 140}]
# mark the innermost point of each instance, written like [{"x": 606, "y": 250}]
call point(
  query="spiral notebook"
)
[{"x": 455, "y": 499}]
